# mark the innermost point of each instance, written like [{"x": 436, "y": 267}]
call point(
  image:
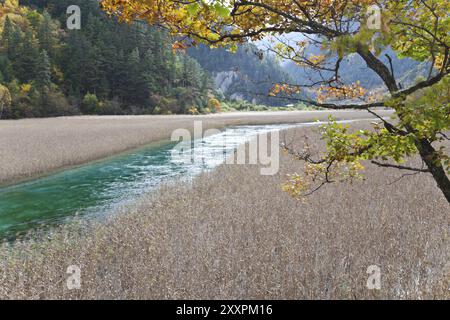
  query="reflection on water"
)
[{"x": 100, "y": 187}]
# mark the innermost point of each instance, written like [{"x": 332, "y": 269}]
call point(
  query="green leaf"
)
[
  {"x": 193, "y": 9},
  {"x": 222, "y": 10}
]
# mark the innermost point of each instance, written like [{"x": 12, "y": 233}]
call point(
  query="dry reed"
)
[{"x": 233, "y": 234}]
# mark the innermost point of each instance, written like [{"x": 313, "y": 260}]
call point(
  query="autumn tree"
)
[
  {"x": 418, "y": 29},
  {"x": 5, "y": 99}
]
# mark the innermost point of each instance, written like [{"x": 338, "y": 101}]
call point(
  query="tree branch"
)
[{"x": 388, "y": 165}]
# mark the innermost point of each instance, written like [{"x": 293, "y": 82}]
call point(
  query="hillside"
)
[
  {"x": 247, "y": 74},
  {"x": 103, "y": 68},
  {"x": 111, "y": 68}
]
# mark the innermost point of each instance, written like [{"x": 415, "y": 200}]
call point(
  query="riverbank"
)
[
  {"x": 234, "y": 234},
  {"x": 31, "y": 148}
]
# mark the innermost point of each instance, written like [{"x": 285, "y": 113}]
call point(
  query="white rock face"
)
[{"x": 224, "y": 79}]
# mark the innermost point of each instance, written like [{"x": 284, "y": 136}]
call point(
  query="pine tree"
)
[
  {"x": 43, "y": 73},
  {"x": 26, "y": 62},
  {"x": 138, "y": 92},
  {"x": 46, "y": 34},
  {"x": 191, "y": 73},
  {"x": 82, "y": 66},
  {"x": 7, "y": 35},
  {"x": 6, "y": 69},
  {"x": 11, "y": 39}
]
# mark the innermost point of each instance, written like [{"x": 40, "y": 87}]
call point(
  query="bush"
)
[
  {"x": 110, "y": 107},
  {"x": 214, "y": 105},
  {"x": 21, "y": 105},
  {"x": 192, "y": 110},
  {"x": 155, "y": 100},
  {"x": 169, "y": 106},
  {"x": 226, "y": 107},
  {"x": 54, "y": 103},
  {"x": 5, "y": 98},
  {"x": 185, "y": 99},
  {"x": 157, "y": 110},
  {"x": 89, "y": 104}
]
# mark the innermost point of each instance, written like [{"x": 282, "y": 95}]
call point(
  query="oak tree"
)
[{"x": 418, "y": 29}]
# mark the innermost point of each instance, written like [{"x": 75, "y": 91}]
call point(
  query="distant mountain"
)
[
  {"x": 354, "y": 69},
  {"x": 250, "y": 73},
  {"x": 245, "y": 75}
]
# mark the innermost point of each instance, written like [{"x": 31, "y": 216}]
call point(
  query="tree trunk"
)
[
  {"x": 426, "y": 150},
  {"x": 430, "y": 157}
]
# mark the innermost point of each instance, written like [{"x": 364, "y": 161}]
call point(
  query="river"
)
[{"x": 99, "y": 188}]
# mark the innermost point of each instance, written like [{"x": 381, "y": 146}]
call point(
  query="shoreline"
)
[
  {"x": 202, "y": 240},
  {"x": 36, "y": 148},
  {"x": 43, "y": 175}
]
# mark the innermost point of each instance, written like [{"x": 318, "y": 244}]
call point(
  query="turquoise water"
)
[{"x": 99, "y": 188}]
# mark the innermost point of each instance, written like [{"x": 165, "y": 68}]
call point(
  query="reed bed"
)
[
  {"x": 33, "y": 147},
  {"x": 234, "y": 234}
]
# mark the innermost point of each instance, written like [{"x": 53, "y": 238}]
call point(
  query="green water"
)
[
  {"x": 98, "y": 189},
  {"x": 89, "y": 189}
]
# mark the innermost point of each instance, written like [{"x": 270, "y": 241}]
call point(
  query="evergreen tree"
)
[
  {"x": 43, "y": 73},
  {"x": 6, "y": 69},
  {"x": 26, "y": 62},
  {"x": 7, "y": 36},
  {"x": 46, "y": 34},
  {"x": 82, "y": 66},
  {"x": 11, "y": 39},
  {"x": 137, "y": 88}
]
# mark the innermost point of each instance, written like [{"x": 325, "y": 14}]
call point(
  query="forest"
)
[
  {"x": 111, "y": 68},
  {"x": 104, "y": 68}
]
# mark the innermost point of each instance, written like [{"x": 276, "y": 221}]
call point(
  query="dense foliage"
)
[{"x": 103, "y": 68}]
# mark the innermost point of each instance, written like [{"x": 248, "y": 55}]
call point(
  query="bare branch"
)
[
  {"x": 332, "y": 106},
  {"x": 400, "y": 167}
]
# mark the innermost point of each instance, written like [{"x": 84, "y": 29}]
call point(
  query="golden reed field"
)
[
  {"x": 33, "y": 147},
  {"x": 234, "y": 234}
]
